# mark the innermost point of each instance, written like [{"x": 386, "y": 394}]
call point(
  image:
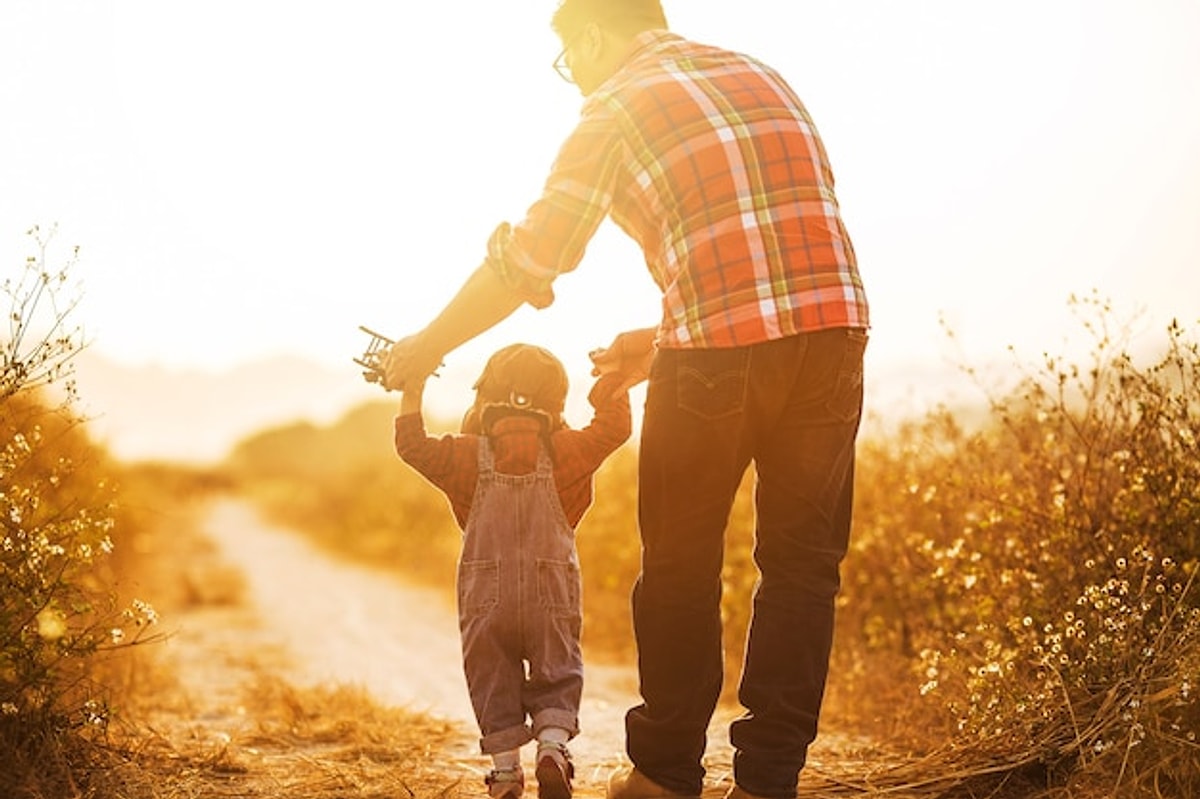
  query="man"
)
[{"x": 711, "y": 163}]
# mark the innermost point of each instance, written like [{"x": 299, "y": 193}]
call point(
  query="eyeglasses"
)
[
  {"x": 560, "y": 62},
  {"x": 561, "y": 67}
]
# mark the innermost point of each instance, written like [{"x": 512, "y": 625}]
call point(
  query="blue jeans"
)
[{"x": 791, "y": 406}]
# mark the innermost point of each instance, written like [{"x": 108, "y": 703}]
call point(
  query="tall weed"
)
[
  {"x": 58, "y": 613},
  {"x": 1038, "y": 572}
]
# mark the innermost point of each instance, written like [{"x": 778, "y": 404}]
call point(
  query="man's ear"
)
[{"x": 593, "y": 39}]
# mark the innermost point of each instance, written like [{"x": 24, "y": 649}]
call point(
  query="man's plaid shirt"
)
[{"x": 712, "y": 164}]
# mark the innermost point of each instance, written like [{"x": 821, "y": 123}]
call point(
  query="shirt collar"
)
[
  {"x": 647, "y": 41},
  {"x": 641, "y": 46}
]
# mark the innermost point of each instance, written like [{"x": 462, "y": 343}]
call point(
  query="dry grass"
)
[
  {"x": 1018, "y": 614},
  {"x": 297, "y": 743},
  {"x": 206, "y": 715},
  {"x": 1019, "y": 617}
]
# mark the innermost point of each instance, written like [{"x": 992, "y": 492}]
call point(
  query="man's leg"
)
[
  {"x": 692, "y": 457},
  {"x": 806, "y": 400}
]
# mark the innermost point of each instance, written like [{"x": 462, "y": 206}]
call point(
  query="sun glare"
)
[{"x": 245, "y": 184}]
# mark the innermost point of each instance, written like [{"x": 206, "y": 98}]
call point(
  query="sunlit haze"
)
[{"x": 248, "y": 179}]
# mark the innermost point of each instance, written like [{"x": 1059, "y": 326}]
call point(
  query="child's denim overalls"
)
[{"x": 519, "y": 601}]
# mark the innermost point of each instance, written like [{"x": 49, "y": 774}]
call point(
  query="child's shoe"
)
[
  {"x": 554, "y": 771},
  {"x": 505, "y": 783}
]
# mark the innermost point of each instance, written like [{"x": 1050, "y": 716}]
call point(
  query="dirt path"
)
[{"x": 332, "y": 622}]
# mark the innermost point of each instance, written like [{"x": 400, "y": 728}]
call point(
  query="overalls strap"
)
[{"x": 487, "y": 464}]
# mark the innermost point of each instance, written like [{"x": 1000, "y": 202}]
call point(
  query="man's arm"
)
[
  {"x": 482, "y": 303},
  {"x": 523, "y": 259}
]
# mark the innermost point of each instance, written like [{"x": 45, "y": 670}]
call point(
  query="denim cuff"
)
[
  {"x": 556, "y": 717},
  {"x": 505, "y": 740}
]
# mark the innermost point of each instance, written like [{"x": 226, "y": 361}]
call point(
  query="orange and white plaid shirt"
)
[{"x": 711, "y": 163}]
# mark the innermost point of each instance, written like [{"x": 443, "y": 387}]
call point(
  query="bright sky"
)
[{"x": 248, "y": 178}]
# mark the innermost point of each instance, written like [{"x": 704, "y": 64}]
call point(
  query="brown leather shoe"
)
[
  {"x": 554, "y": 771},
  {"x": 629, "y": 783},
  {"x": 737, "y": 793}
]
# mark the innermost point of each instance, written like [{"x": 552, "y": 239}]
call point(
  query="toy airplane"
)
[{"x": 372, "y": 358}]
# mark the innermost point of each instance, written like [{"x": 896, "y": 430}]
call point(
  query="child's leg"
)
[
  {"x": 553, "y": 735},
  {"x": 509, "y": 758},
  {"x": 494, "y": 683},
  {"x": 553, "y": 693},
  {"x": 506, "y": 780},
  {"x": 554, "y": 688},
  {"x": 495, "y": 673},
  {"x": 552, "y": 626},
  {"x": 554, "y": 767}
]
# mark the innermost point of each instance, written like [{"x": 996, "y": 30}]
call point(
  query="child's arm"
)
[
  {"x": 410, "y": 402},
  {"x": 579, "y": 453},
  {"x": 610, "y": 426},
  {"x": 434, "y": 457},
  {"x": 449, "y": 462},
  {"x": 629, "y": 355},
  {"x": 613, "y": 421}
]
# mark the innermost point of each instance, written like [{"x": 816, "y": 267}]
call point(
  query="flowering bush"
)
[
  {"x": 57, "y": 611},
  {"x": 1039, "y": 571}
]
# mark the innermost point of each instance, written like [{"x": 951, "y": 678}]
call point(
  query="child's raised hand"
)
[
  {"x": 410, "y": 400},
  {"x": 629, "y": 355}
]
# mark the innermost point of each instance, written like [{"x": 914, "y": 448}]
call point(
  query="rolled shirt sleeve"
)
[{"x": 578, "y": 194}]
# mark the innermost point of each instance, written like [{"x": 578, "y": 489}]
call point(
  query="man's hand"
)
[
  {"x": 408, "y": 361},
  {"x": 630, "y": 354}
]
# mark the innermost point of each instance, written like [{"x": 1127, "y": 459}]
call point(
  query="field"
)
[
  {"x": 1019, "y": 602},
  {"x": 1018, "y": 615}
]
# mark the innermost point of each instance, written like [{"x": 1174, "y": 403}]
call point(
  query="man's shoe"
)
[
  {"x": 554, "y": 771},
  {"x": 505, "y": 783},
  {"x": 737, "y": 793},
  {"x": 630, "y": 783}
]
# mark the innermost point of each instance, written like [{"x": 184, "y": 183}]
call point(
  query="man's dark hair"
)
[{"x": 626, "y": 16}]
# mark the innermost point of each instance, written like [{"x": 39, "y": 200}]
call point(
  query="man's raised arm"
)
[{"x": 482, "y": 303}]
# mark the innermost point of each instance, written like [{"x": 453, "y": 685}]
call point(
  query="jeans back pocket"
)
[{"x": 711, "y": 383}]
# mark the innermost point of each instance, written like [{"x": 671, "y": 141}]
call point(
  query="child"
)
[{"x": 518, "y": 481}]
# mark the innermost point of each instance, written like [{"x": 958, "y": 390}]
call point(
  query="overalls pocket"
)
[
  {"x": 478, "y": 587},
  {"x": 558, "y": 587}
]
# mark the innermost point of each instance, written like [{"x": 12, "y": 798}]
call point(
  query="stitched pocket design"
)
[
  {"x": 712, "y": 383},
  {"x": 478, "y": 586},
  {"x": 558, "y": 587}
]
